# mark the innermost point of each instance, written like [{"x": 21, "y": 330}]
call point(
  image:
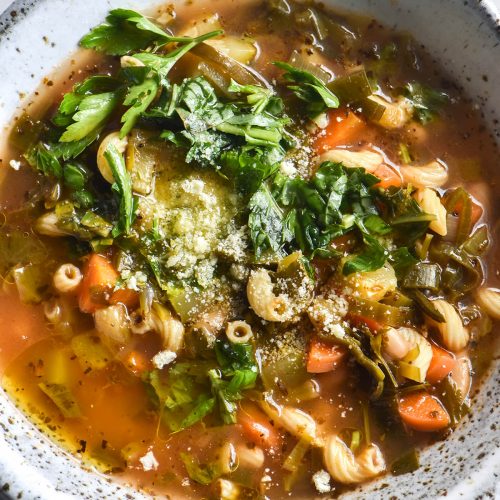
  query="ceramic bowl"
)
[{"x": 465, "y": 36}]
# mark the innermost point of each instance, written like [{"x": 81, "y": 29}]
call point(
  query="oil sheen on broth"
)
[{"x": 290, "y": 400}]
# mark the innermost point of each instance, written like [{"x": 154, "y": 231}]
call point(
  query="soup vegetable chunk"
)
[{"x": 260, "y": 252}]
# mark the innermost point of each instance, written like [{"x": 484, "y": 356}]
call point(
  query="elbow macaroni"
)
[
  {"x": 369, "y": 160},
  {"x": 489, "y": 300},
  {"x": 262, "y": 299},
  {"x": 239, "y": 332},
  {"x": 170, "y": 328},
  {"x": 295, "y": 421},
  {"x": 346, "y": 468},
  {"x": 67, "y": 278},
  {"x": 430, "y": 203},
  {"x": 102, "y": 163},
  {"x": 432, "y": 175},
  {"x": 453, "y": 333}
]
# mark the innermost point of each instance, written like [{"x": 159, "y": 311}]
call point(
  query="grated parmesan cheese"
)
[
  {"x": 163, "y": 358},
  {"x": 321, "y": 480},
  {"x": 149, "y": 461}
]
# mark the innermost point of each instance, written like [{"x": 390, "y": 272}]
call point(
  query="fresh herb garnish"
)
[
  {"x": 310, "y": 89},
  {"x": 125, "y": 31}
]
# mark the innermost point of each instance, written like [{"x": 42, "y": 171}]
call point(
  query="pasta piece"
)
[
  {"x": 262, "y": 299},
  {"x": 369, "y": 160},
  {"x": 430, "y": 203},
  {"x": 239, "y": 332},
  {"x": 67, "y": 278},
  {"x": 489, "y": 300},
  {"x": 453, "y": 333},
  {"x": 432, "y": 175},
  {"x": 249, "y": 458},
  {"x": 227, "y": 490},
  {"x": 371, "y": 285},
  {"x": 47, "y": 225},
  {"x": 113, "y": 323},
  {"x": 410, "y": 349},
  {"x": 169, "y": 327},
  {"x": 461, "y": 376},
  {"x": 130, "y": 62},
  {"x": 295, "y": 421},
  {"x": 346, "y": 468},
  {"x": 53, "y": 311},
  {"x": 102, "y": 163},
  {"x": 227, "y": 460}
]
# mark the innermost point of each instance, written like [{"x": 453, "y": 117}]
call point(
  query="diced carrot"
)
[
  {"x": 99, "y": 278},
  {"x": 342, "y": 129},
  {"x": 359, "y": 320},
  {"x": 125, "y": 296},
  {"x": 257, "y": 427},
  {"x": 476, "y": 213},
  {"x": 137, "y": 362},
  {"x": 442, "y": 363},
  {"x": 323, "y": 357},
  {"x": 423, "y": 412},
  {"x": 388, "y": 176}
]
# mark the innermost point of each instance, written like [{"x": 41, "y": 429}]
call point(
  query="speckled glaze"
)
[{"x": 465, "y": 37}]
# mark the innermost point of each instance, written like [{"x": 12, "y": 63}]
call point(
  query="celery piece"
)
[
  {"x": 406, "y": 463},
  {"x": 294, "y": 459},
  {"x": 235, "y": 70},
  {"x": 63, "y": 398},
  {"x": 351, "y": 88},
  {"x": 32, "y": 282},
  {"x": 97, "y": 224}
]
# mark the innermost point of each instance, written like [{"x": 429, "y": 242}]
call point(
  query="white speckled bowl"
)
[{"x": 464, "y": 36}]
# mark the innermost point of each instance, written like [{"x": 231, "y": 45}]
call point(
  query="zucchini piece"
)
[
  {"x": 89, "y": 350},
  {"x": 63, "y": 398},
  {"x": 237, "y": 71},
  {"x": 242, "y": 50}
]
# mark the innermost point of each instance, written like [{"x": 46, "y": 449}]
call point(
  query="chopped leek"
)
[
  {"x": 384, "y": 314},
  {"x": 351, "y": 88},
  {"x": 454, "y": 402},
  {"x": 404, "y": 154},
  {"x": 97, "y": 224},
  {"x": 477, "y": 243},
  {"x": 423, "y": 275},
  {"x": 32, "y": 282},
  {"x": 294, "y": 459},
  {"x": 63, "y": 398},
  {"x": 462, "y": 199}
]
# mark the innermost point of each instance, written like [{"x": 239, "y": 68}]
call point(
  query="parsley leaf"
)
[
  {"x": 126, "y": 31},
  {"x": 309, "y": 89},
  {"x": 426, "y": 101},
  {"x": 266, "y": 223},
  {"x": 123, "y": 187},
  {"x": 139, "y": 97},
  {"x": 92, "y": 112},
  {"x": 44, "y": 160}
]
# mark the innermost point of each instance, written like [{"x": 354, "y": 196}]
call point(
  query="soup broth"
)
[{"x": 292, "y": 285}]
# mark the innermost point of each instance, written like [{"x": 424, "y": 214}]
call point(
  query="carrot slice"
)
[
  {"x": 423, "y": 412},
  {"x": 388, "y": 177},
  {"x": 99, "y": 278},
  {"x": 476, "y": 213},
  {"x": 257, "y": 427},
  {"x": 125, "y": 296},
  {"x": 442, "y": 363},
  {"x": 359, "y": 320},
  {"x": 343, "y": 128},
  {"x": 323, "y": 357}
]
